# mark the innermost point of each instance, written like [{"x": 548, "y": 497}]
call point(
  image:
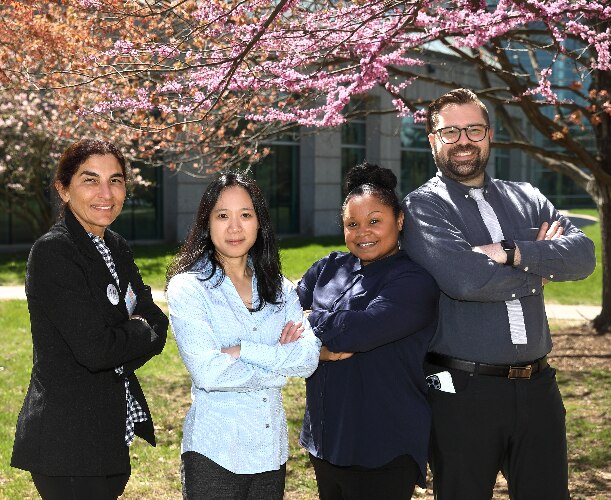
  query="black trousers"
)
[
  {"x": 393, "y": 481},
  {"x": 203, "y": 479},
  {"x": 494, "y": 424},
  {"x": 80, "y": 487}
]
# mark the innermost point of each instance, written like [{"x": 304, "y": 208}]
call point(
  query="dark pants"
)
[
  {"x": 393, "y": 481},
  {"x": 494, "y": 424},
  {"x": 203, "y": 479},
  {"x": 80, "y": 487}
]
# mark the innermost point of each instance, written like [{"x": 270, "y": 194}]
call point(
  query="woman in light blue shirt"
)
[{"x": 240, "y": 332}]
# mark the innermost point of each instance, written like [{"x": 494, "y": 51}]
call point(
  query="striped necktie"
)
[{"x": 514, "y": 307}]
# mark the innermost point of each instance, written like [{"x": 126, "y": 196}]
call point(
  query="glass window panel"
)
[
  {"x": 354, "y": 133},
  {"x": 350, "y": 158},
  {"x": 21, "y": 231},
  {"x": 278, "y": 177},
  {"x": 15, "y": 228},
  {"x": 142, "y": 216},
  {"x": 560, "y": 190},
  {"x": 5, "y": 227},
  {"x": 417, "y": 167},
  {"x": 413, "y": 135}
]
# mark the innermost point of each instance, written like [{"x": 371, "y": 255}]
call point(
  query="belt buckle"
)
[{"x": 520, "y": 372}]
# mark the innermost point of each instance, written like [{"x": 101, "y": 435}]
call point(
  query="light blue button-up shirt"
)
[{"x": 236, "y": 418}]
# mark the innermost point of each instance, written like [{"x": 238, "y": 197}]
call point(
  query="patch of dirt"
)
[{"x": 578, "y": 348}]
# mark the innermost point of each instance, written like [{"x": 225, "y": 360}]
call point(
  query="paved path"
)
[{"x": 554, "y": 311}]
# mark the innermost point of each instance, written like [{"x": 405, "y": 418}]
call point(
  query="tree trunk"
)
[
  {"x": 602, "y": 82},
  {"x": 602, "y": 323}
]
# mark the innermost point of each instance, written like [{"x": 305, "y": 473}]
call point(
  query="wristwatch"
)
[{"x": 510, "y": 249}]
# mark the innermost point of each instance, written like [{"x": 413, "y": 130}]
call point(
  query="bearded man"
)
[{"x": 491, "y": 245}]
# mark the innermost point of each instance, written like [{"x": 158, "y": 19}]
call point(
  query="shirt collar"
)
[
  {"x": 376, "y": 266},
  {"x": 458, "y": 188},
  {"x": 203, "y": 266}
]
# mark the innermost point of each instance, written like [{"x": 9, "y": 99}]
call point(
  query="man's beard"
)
[{"x": 462, "y": 171}]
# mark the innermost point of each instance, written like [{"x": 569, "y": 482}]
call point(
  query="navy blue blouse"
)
[{"x": 370, "y": 408}]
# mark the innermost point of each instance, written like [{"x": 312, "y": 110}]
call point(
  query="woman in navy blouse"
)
[
  {"x": 367, "y": 421},
  {"x": 238, "y": 327}
]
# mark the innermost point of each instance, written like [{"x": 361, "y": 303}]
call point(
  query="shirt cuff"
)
[{"x": 530, "y": 257}]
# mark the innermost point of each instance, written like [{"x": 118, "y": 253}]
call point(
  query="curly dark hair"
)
[
  {"x": 368, "y": 178},
  {"x": 264, "y": 253}
]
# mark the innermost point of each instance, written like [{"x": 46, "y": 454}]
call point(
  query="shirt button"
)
[
  {"x": 551, "y": 276},
  {"x": 526, "y": 268},
  {"x": 254, "y": 329},
  {"x": 534, "y": 291},
  {"x": 513, "y": 294},
  {"x": 264, "y": 400},
  {"x": 267, "y": 426}
]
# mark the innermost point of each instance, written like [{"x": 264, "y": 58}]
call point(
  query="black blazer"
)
[{"x": 72, "y": 422}]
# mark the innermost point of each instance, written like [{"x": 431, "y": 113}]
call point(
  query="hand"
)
[
  {"x": 327, "y": 355},
  {"x": 550, "y": 232},
  {"x": 291, "y": 332},
  {"x": 233, "y": 351}
]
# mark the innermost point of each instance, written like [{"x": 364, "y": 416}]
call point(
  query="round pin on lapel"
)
[{"x": 112, "y": 294}]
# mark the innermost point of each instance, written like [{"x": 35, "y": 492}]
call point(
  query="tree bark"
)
[
  {"x": 602, "y": 323},
  {"x": 601, "y": 81}
]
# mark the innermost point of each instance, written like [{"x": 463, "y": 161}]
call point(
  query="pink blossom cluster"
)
[
  {"x": 90, "y": 4},
  {"x": 544, "y": 88},
  {"x": 331, "y": 53}
]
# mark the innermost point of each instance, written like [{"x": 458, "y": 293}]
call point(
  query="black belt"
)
[{"x": 520, "y": 371}]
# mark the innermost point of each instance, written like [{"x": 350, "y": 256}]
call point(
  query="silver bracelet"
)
[{"x": 141, "y": 319}]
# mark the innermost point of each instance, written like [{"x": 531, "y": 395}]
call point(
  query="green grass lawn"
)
[
  {"x": 12, "y": 267},
  {"x": 589, "y": 290},
  {"x": 297, "y": 254},
  {"x": 155, "y": 471}
]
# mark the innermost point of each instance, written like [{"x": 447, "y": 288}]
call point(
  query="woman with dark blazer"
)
[{"x": 93, "y": 323}]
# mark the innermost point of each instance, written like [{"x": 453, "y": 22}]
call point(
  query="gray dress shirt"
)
[{"x": 443, "y": 223}]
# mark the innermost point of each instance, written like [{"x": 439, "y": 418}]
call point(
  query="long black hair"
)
[
  {"x": 264, "y": 253},
  {"x": 380, "y": 182}
]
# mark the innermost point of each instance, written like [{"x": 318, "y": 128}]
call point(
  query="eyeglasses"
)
[{"x": 450, "y": 135}]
